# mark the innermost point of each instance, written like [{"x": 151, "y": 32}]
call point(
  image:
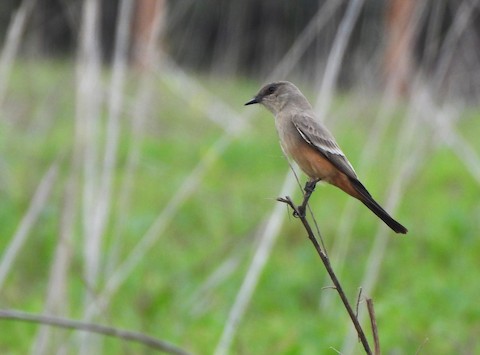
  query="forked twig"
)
[{"x": 326, "y": 262}]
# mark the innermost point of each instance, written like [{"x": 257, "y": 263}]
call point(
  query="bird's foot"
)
[
  {"x": 299, "y": 212},
  {"x": 310, "y": 186}
]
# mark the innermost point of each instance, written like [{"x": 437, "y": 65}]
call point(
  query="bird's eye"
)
[{"x": 271, "y": 89}]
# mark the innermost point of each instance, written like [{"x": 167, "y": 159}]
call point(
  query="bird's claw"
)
[{"x": 299, "y": 212}]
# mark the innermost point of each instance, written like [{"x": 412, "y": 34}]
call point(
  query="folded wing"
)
[{"x": 319, "y": 137}]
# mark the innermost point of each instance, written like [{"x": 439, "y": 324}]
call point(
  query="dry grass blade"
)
[
  {"x": 140, "y": 110},
  {"x": 115, "y": 104},
  {"x": 88, "y": 112},
  {"x": 56, "y": 301},
  {"x": 37, "y": 204},
  {"x": 262, "y": 253},
  {"x": 12, "y": 43},
  {"x": 335, "y": 58},
  {"x": 441, "y": 120},
  {"x": 186, "y": 87},
  {"x": 312, "y": 29},
  {"x": 88, "y": 105}
]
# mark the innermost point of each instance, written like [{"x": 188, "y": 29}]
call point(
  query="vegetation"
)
[{"x": 426, "y": 295}]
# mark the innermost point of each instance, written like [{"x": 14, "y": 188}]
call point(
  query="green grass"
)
[{"x": 428, "y": 285}]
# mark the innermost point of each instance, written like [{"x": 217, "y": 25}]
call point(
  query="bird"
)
[{"x": 308, "y": 141}]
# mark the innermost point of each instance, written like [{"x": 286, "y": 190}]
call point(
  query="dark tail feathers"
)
[{"x": 368, "y": 201}]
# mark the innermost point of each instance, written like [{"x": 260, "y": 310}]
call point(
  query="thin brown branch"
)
[
  {"x": 331, "y": 273},
  {"x": 373, "y": 322},
  {"x": 143, "y": 339}
]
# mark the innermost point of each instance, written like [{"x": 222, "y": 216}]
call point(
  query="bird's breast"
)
[
  {"x": 313, "y": 163},
  {"x": 289, "y": 137}
]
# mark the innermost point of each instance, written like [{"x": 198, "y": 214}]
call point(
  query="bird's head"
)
[{"x": 275, "y": 96}]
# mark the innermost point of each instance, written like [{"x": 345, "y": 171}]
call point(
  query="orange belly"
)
[
  {"x": 316, "y": 166},
  {"x": 312, "y": 162}
]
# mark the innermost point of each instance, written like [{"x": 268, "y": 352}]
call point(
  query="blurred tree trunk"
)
[
  {"x": 149, "y": 16},
  {"x": 398, "y": 60}
]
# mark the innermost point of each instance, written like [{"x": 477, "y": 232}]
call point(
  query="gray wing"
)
[{"x": 319, "y": 137}]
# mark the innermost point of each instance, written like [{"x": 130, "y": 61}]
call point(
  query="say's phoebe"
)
[{"x": 313, "y": 147}]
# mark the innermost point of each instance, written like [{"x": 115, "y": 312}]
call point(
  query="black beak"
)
[{"x": 252, "y": 101}]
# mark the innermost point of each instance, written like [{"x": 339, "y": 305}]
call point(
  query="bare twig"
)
[
  {"x": 140, "y": 338},
  {"x": 373, "y": 322},
  {"x": 358, "y": 301},
  {"x": 331, "y": 273}
]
